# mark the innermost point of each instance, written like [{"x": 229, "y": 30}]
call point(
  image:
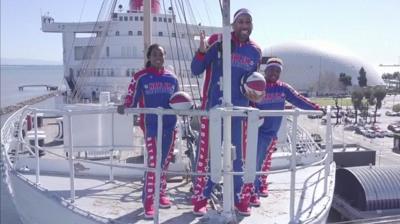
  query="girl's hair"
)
[{"x": 149, "y": 50}]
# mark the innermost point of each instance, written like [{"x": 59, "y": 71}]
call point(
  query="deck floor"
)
[{"x": 121, "y": 201}]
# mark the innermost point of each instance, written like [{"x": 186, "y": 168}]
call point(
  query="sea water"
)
[{"x": 11, "y": 77}]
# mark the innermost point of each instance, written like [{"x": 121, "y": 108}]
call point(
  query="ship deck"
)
[{"x": 120, "y": 201}]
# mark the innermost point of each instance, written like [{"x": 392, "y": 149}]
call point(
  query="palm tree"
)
[
  {"x": 379, "y": 94},
  {"x": 356, "y": 99},
  {"x": 370, "y": 100},
  {"x": 362, "y": 79},
  {"x": 345, "y": 81}
]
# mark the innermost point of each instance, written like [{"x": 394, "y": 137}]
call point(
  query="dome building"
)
[{"x": 314, "y": 68}]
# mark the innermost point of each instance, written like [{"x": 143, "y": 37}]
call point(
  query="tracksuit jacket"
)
[
  {"x": 152, "y": 88},
  {"x": 245, "y": 59},
  {"x": 276, "y": 94}
]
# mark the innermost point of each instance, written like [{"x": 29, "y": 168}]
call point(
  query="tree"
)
[
  {"x": 336, "y": 99},
  {"x": 345, "y": 80},
  {"x": 348, "y": 81},
  {"x": 379, "y": 94},
  {"x": 362, "y": 79},
  {"x": 369, "y": 100},
  {"x": 356, "y": 100},
  {"x": 342, "y": 77},
  {"x": 396, "y": 75},
  {"x": 387, "y": 76}
]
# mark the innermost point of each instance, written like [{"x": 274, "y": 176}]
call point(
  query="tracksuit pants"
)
[
  {"x": 265, "y": 146},
  {"x": 203, "y": 184},
  {"x": 168, "y": 140}
]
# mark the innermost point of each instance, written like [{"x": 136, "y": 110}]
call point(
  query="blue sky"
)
[{"x": 368, "y": 28}]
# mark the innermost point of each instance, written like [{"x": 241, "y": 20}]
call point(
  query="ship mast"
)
[
  {"x": 146, "y": 28},
  {"x": 226, "y": 55},
  {"x": 148, "y": 7}
]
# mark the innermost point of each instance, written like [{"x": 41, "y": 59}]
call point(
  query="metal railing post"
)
[
  {"x": 111, "y": 179},
  {"x": 37, "y": 149},
  {"x": 328, "y": 148},
  {"x": 71, "y": 158},
  {"x": 293, "y": 166},
  {"x": 158, "y": 168}
]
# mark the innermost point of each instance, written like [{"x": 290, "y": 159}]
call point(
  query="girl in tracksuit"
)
[
  {"x": 246, "y": 56},
  {"x": 276, "y": 94},
  {"x": 152, "y": 87}
]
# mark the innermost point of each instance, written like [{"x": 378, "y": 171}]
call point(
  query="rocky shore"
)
[{"x": 34, "y": 100}]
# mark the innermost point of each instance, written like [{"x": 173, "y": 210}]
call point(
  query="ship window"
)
[
  {"x": 173, "y": 34},
  {"x": 131, "y": 18},
  {"x": 125, "y": 18},
  {"x": 141, "y": 18},
  {"x": 117, "y": 33},
  {"x": 160, "y": 34},
  {"x": 120, "y": 18},
  {"x": 130, "y": 33},
  {"x": 165, "y": 20},
  {"x": 139, "y": 33},
  {"x": 136, "y": 18},
  {"x": 154, "y": 19},
  {"x": 108, "y": 51},
  {"x": 159, "y": 19},
  {"x": 169, "y": 20}
]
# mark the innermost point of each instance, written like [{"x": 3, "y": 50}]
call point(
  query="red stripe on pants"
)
[
  {"x": 202, "y": 161},
  {"x": 267, "y": 163}
]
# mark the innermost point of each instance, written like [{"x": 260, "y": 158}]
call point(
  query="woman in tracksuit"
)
[
  {"x": 276, "y": 94},
  {"x": 246, "y": 56},
  {"x": 152, "y": 87}
]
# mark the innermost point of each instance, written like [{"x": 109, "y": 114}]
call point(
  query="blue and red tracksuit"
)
[
  {"x": 152, "y": 88},
  {"x": 245, "y": 59},
  {"x": 276, "y": 94}
]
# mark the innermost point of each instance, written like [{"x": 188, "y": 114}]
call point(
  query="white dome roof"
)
[{"x": 315, "y": 67}]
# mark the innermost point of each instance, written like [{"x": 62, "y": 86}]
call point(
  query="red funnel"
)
[{"x": 137, "y": 5}]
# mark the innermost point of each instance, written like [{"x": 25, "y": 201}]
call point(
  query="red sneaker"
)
[
  {"x": 243, "y": 208},
  {"x": 165, "y": 202},
  {"x": 263, "y": 191},
  {"x": 255, "y": 201},
  {"x": 149, "y": 211},
  {"x": 200, "y": 207}
]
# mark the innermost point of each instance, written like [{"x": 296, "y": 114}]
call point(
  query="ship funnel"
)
[{"x": 137, "y": 5}]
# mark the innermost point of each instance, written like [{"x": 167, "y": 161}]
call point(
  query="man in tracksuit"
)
[
  {"x": 276, "y": 94},
  {"x": 152, "y": 87},
  {"x": 246, "y": 56}
]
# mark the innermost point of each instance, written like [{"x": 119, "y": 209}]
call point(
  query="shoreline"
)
[{"x": 34, "y": 100}]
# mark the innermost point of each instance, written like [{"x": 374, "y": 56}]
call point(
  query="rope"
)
[
  {"x": 170, "y": 43},
  {"x": 191, "y": 51},
  {"x": 90, "y": 63},
  {"x": 73, "y": 41}
]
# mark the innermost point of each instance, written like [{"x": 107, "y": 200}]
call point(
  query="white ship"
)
[
  {"x": 83, "y": 163},
  {"x": 102, "y": 55}
]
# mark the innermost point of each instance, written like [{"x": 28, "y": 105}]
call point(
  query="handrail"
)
[
  {"x": 6, "y": 135},
  {"x": 236, "y": 111}
]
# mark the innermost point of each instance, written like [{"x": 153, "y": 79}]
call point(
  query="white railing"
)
[
  {"x": 9, "y": 135},
  {"x": 249, "y": 113}
]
